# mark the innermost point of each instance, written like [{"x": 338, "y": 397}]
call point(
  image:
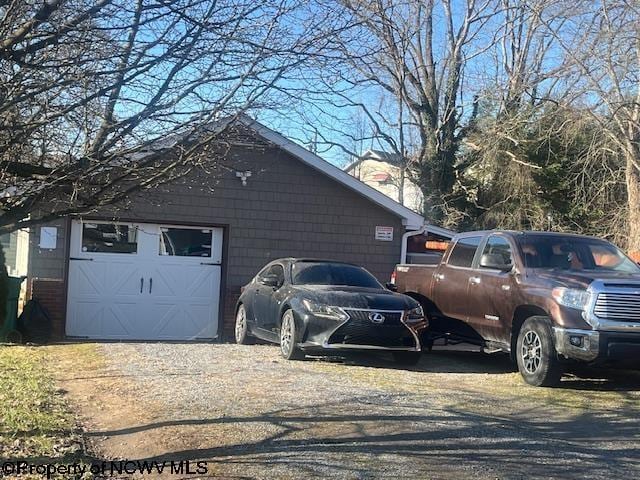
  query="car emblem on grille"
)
[{"x": 377, "y": 317}]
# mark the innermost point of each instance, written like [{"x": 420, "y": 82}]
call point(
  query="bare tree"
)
[
  {"x": 500, "y": 160},
  {"x": 410, "y": 57},
  {"x": 602, "y": 53},
  {"x": 102, "y": 98},
  {"x": 526, "y": 72}
]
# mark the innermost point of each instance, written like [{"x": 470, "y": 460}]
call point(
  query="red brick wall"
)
[
  {"x": 51, "y": 294},
  {"x": 228, "y": 317}
]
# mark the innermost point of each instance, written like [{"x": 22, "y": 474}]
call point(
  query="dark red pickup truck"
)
[{"x": 547, "y": 298}]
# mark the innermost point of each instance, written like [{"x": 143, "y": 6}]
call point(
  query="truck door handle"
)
[
  {"x": 439, "y": 276},
  {"x": 150, "y": 284},
  {"x": 474, "y": 280},
  {"x": 141, "y": 284}
]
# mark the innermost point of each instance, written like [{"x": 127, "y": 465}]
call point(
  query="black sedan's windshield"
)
[
  {"x": 320, "y": 273},
  {"x": 574, "y": 253}
]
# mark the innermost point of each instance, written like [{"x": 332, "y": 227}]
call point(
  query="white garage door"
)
[{"x": 140, "y": 281}]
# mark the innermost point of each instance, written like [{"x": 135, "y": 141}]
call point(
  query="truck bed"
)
[{"x": 415, "y": 278}]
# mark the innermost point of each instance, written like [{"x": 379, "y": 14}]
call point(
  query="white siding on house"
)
[
  {"x": 386, "y": 178},
  {"x": 16, "y": 251}
]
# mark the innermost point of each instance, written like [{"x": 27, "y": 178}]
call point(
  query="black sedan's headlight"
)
[
  {"x": 325, "y": 311},
  {"x": 414, "y": 315}
]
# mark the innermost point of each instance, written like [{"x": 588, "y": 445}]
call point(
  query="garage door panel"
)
[
  {"x": 118, "y": 320},
  {"x": 89, "y": 280},
  {"x": 104, "y": 278},
  {"x": 183, "y": 322},
  {"x": 189, "y": 281},
  {"x": 202, "y": 285},
  {"x": 168, "y": 281},
  {"x": 84, "y": 318},
  {"x": 201, "y": 317},
  {"x": 185, "y": 300},
  {"x": 113, "y": 321},
  {"x": 144, "y": 295},
  {"x": 165, "y": 317},
  {"x": 125, "y": 279}
]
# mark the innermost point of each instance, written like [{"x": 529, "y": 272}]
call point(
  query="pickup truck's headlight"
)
[
  {"x": 415, "y": 315},
  {"x": 325, "y": 311},
  {"x": 571, "y": 297}
]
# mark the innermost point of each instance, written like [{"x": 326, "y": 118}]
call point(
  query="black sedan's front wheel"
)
[
  {"x": 288, "y": 337},
  {"x": 241, "y": 327}
]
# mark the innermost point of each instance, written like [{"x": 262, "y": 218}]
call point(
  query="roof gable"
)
[{"x": 410, "y": 219}]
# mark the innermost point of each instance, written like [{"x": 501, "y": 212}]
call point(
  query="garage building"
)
[{"x": 170, "y": 263}]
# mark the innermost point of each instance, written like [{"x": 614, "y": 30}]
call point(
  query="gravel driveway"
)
[{"x": 251, "y": 414}]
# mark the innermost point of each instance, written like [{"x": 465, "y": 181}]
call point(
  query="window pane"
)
[
  {"x": 574, "y": 253},
  {"x": 464, "y": 251},
  {"x": 262, "y": 273},
  {"x": 312, "y": 273},
  {"x": 109, "y": 238},
  {"x": 185, "y": 242},
  {"x": 278, "y": 271},
  {"x": 606, "y": 257},
  {"x": 499, "y": 246}
]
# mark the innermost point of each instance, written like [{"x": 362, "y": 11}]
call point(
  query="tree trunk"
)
[
  {"x": 432, "y": 205},
  {"x": 4, "y": 288},
  {"x": 436, "y": 178},
  {"x": 633, "y": 202},
  {"x": 403, "y": 173}
]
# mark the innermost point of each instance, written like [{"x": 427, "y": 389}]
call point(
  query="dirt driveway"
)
[{"x": 250, "y": 414}]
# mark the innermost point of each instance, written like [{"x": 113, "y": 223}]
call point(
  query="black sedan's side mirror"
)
[
  {"x": 391, "y": 286},
  {"x": 270, "y": 281}
]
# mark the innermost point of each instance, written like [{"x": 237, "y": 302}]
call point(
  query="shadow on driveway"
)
[{"x": 332, "y": 438}]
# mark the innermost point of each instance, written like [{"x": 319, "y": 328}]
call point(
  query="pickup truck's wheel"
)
[
  {"x": 407, "y": 358},
  {"x": 289, "y": 337},
  {"x": 536, "y": 354}
]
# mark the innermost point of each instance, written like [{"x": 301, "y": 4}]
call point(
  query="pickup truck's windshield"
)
[
  {"x": 317, "y": 273},
  {"x": 574, "y": 253}
]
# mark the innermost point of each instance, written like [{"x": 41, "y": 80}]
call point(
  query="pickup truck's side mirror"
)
[
  {"x": 391, "y": 286},
  {"x": 495, "y": 262}
]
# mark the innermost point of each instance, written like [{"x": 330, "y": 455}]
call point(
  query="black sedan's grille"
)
[
  {"x": 364, "y": 316},
  {"x": 360, "y": 329}
]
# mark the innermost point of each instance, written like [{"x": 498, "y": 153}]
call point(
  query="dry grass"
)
[{"x": 34, "y": 420}]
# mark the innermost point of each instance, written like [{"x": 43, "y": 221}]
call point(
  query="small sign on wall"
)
[
  {"x": 48, "y": 238},
  {"x": 384, "y": 234}
]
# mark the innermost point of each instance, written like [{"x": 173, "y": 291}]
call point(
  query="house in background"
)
[
  {"x": 16, "y": 252},
  {"x": 16, "y": 255},
  {"x": 384, "y": 172}
]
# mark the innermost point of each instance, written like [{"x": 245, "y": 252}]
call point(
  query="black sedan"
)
[{"x": 311, "y": 305}]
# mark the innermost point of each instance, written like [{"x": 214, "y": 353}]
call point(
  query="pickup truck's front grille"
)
[{"x": 618, "y": 306}]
